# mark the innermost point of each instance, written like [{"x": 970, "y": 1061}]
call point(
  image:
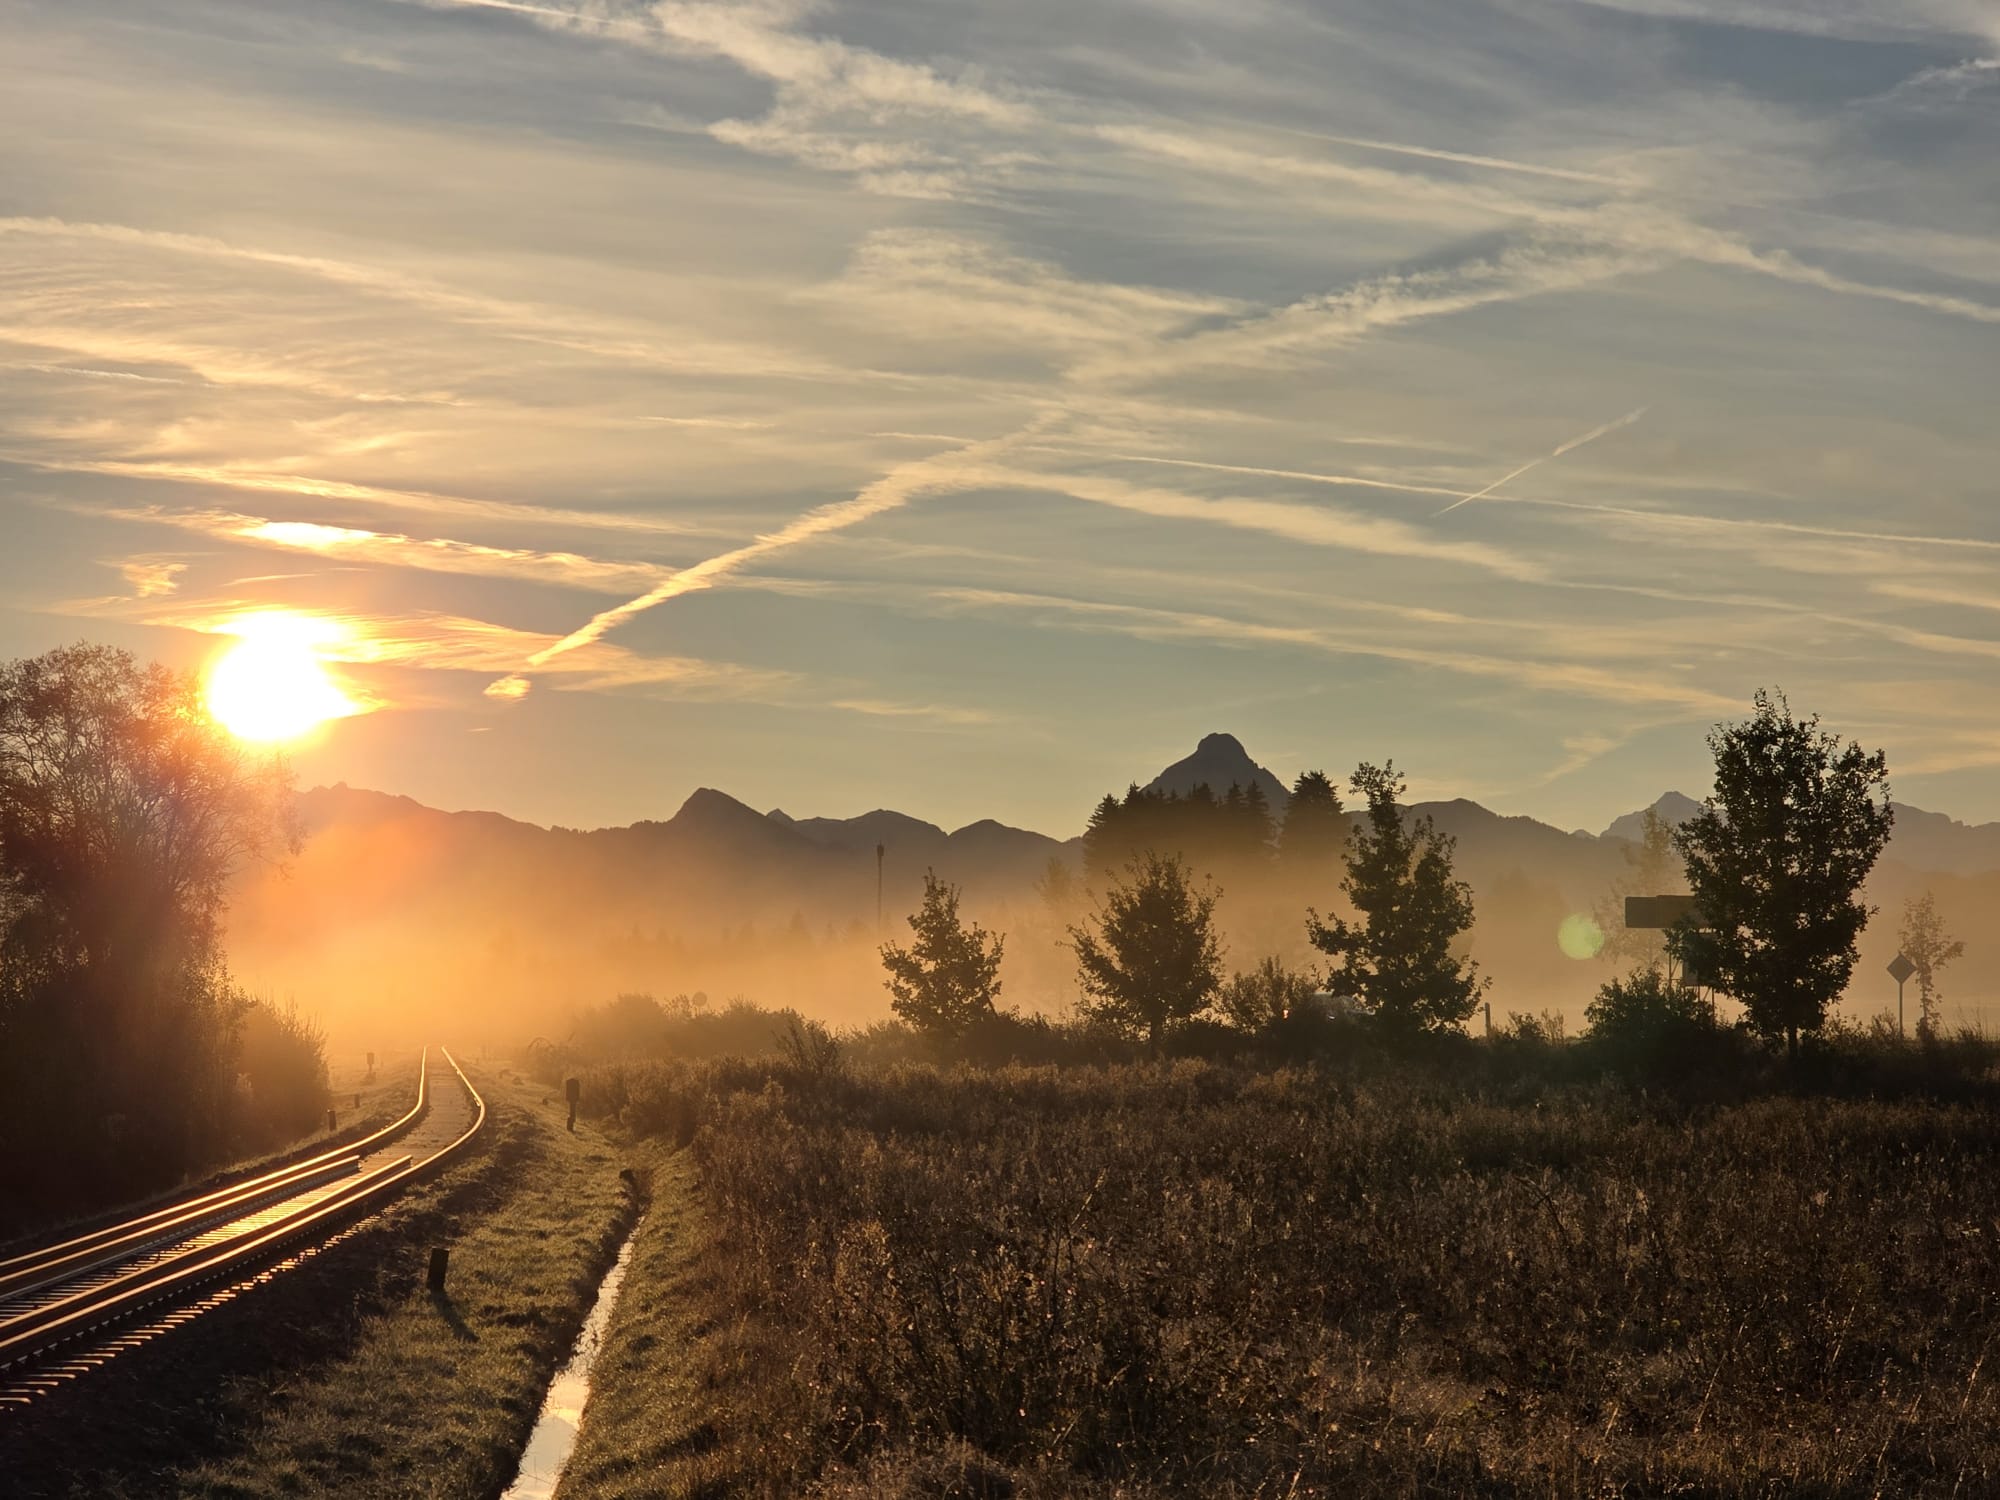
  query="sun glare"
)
[{"x": 272, "y": 684}]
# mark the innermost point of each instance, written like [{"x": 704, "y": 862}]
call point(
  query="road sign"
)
[
  {"x": 1657, "y": 913},
  {"x": 1900, "y": 968}
]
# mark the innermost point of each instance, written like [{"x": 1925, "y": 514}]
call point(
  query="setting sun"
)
[{"x": 273, "y": 685}]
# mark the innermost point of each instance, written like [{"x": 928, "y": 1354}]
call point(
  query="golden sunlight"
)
[{"x": 272, "y": 684}]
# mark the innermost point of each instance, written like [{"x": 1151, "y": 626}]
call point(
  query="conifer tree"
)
[
  {"x": 1314, "y": 834},
  {"x": 949, "y": 976},
  {"x": 1396, "y": 958}
]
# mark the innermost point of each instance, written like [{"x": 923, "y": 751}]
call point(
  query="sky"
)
[{"x": 965, "y": 407}]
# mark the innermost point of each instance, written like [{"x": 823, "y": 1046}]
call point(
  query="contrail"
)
[
  {"x": 897, "y": 488},
  {"x": 1576, "y": 442}
]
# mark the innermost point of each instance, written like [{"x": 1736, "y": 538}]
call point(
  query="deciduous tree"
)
[
  {"x": 1776, "y": 859},
  {"x": 1154, "y": 960},
  {"x": 1653, "y": 870},
  {"x": 1927, "y": 944},
  {"x": 123, "y": 811}
]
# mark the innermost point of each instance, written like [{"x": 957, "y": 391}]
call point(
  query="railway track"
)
[{"x": 67, "y": 1308}]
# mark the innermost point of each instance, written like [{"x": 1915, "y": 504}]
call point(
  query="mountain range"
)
[{"x": 391, "y": 900}]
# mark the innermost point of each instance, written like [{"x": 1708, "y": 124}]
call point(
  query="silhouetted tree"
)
[
  {"x": 1248, "y": 828},
  {"x": 1927, "y": 944},
  {"x": 949, "y": 976},
  {"x": 123, "y": 810},
  {"x": 1232, "y": 831},
  {"x": 1397, "y": 957},
  {"x": 1315, "y": 831},
  {"x": 1154, "y": 959},
  {"x": 1776, "y": 859},
  {"x": 1109, "y": 833}
]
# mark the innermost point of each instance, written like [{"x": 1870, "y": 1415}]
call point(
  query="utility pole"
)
[{"x": 880, "y": 851}]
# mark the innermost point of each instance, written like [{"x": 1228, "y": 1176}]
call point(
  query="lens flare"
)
[
  {"x": 1579, "y": 936},
  {"x": 272, "y": 684}
]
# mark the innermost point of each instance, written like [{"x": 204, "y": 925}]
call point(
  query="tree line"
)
[
  {"x": 1775, "y": 862},
  {"x": 127, "y": 1056}
]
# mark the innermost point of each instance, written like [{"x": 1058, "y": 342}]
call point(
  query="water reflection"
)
[{"x": 554, "y": 1436}]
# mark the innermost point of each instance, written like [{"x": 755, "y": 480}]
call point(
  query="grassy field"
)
[
  {"x": 676, "y": 1389},
  {"x": 345, "y": 1376},
  {"x": 1195, "y": 1279}
]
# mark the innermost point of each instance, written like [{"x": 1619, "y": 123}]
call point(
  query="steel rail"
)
[
  {"x": 33, "y": 1334},
  {"x": 24, "y": 1265},
  {"x": 51, "y": 1269}
]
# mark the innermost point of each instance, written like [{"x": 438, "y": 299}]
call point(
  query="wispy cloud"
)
[
  {"x": 151, "y": 578},
  {"x": 1569, "y": 678},
  {"x": 1311, "y": 328},
  {"x": 1314, "y": 525},
  {"x": 396, "y": 550},
  {"x": 317, "y": 487}
]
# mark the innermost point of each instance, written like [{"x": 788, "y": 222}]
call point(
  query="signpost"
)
[
  {"x": 1658, "y": 914},
  {"x": 1900, "y": 970}
]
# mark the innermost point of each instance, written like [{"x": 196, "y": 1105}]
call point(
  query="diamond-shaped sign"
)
[{"x": 1900, "y": 968}]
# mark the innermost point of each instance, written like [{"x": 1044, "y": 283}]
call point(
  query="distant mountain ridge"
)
[
  {"x": 1920, "y": 840},
  {"x": 982, "y": 853},
  {"x": 391, "y": 898}
]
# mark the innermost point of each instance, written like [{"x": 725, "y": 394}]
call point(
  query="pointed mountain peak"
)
[
  {"x": 1220, "y": 762},
  {"x": 708, "y": 807},
  {"x": 1674, "y": 808}
]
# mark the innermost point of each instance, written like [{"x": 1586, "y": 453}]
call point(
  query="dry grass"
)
[
  {"x": 345, "y": 1376},
  {"x": 674, "y": 1400},
  {"x": 1198, "y": 1280}
]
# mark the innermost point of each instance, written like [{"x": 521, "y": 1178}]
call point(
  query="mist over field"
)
[{"x": 400, "y": 921}]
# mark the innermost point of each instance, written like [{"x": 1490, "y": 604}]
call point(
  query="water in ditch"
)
[{"x": 554, "y": 1436}]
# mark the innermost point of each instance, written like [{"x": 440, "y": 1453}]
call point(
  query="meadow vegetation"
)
[{"x": 1193, "y": 1277}]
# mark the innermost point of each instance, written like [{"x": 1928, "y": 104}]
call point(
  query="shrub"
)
[
  {"x": 281, "y": 1057},
  {"x": 1646, "y": 1026},
  {"x": 1265, "y": 996}
]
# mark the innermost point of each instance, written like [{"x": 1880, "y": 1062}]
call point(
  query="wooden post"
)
[{"x": 439, "y": 1257}]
